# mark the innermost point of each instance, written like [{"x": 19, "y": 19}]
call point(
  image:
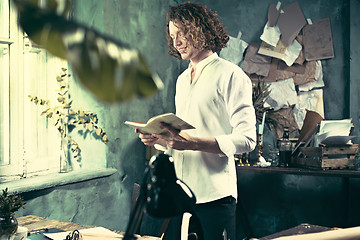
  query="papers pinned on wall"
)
[
  {"x": 288, "y": 57},
  {"x": 318, "y": 40},
  {"x": 295, "y": 46}
]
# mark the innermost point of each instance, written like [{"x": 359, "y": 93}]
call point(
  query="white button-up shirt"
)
[{"x": 218, "y": 103}]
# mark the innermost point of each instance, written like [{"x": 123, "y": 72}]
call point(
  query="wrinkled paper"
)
[
  {"x": 282, "y": 94},
  {"x": 234, "y": 50},
  {"x": 255, "y": 63}
]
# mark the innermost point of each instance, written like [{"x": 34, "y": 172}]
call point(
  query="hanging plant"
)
[{"x": 65, "y": 118}]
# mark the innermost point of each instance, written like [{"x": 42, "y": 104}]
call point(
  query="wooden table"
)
[{"x": 32, "y": 222}]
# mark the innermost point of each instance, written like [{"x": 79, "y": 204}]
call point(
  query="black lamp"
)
[{"x": 162, "y": 194}]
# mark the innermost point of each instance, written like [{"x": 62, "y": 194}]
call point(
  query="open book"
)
[{"x": 153, "y": 124}]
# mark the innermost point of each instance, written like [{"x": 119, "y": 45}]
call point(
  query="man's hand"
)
[
  {"x": 180, "y": 140},
  {"x": 147, "y": 139},
  {"x": 176, "y": 139}
]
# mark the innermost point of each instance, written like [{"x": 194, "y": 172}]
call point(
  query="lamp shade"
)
[{"x": 166, "y": 195}]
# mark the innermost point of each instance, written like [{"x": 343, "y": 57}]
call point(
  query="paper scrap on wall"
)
[
  {"x": 319, "y": 83},
  {"x": 273, "y": 13},
  {"x": 282, "y": 94},
  {"x": 255, "y": 63},
  {"x": 287, "y": 54},
  {"x": 271, "y": 35},
  {"x": 310, "y": 100},
  {"x": 318, "y": 40},
  {"x": 234, "y": 50},
  {"x": 291, "y": 22}
]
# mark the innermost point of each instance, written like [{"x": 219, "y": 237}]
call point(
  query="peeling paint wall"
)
[{"x": 271, "y": 202}]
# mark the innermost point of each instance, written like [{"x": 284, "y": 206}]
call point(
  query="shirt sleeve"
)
[
  {"x": 160, "y": 147},
  {"x": 237, "y": 93}
]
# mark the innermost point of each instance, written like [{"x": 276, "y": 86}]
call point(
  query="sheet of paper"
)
[
  {"x": 319, "y": 83},
  {"x": 291, "y": 22},
  {"x": 317, "y": 40},
  {"x": 310, "y": 100},
  {"x": 274, "y": 74},
  {"x": 308, "y": 76},
  {"x": 334, "y": 132},
  {"x": 88, "y": 234},
  {"x": 277, "y": 52},
  {"x": 273, "y": 13},
  {"x": 235, "y": 49},
  {"x": 295, "y": 68},
  {"x": 287, "y": 54},
  {"x": 256, "y": 63},
  {"x": 337, "y": 127},
  {"x": 309, "y": 73},
  {"x": 292, "y": 53},
  {"x": 271, "y": 35},
  {"x": 301, "y": 58},
  {"x": 282, "y": 94}
]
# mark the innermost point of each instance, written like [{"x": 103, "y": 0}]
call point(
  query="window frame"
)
[{"x": 17, "y": 164}]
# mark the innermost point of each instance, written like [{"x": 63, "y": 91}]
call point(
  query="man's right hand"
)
[{"x": 147, "y": 139}]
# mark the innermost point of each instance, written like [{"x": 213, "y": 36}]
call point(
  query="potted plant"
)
[{"x": 9, "y": 204}]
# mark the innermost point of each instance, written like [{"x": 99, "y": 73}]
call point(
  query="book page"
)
[{"x": 153, "y": 125}]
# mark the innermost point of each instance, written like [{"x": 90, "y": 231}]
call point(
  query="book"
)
[{"x": 153, "y": 125}]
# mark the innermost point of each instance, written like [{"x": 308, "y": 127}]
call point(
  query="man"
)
[{"x": 215, "y": 96}]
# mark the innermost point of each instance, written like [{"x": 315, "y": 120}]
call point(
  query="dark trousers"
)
[{"x": 211, "y": 219}]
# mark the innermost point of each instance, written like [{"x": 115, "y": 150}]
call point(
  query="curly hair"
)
[{"x": 201, "y": 27}]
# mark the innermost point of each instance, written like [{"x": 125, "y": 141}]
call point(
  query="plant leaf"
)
[
  {"x": 98, "y": 131},
  {"x": 111, "y": 70}
]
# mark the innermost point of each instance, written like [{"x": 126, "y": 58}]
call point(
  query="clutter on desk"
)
[{"x": 325, "y": 144}]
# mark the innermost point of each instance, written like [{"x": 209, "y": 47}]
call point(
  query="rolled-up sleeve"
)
[{"x": 238, "y": 99}]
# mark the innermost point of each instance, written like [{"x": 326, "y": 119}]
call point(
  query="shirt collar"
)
[
  {"x": 201, "y": 65},
  {"x": 204, "y": 62}
]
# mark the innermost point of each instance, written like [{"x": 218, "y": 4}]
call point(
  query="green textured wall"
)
[{"x": 271, "y": 202}]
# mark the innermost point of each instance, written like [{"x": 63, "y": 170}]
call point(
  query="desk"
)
[
  {"x": 344, "y": 174},
  {"x": 301, "y": 229},
  {"x": 34, "y": 222},
  {"x": 301, "y": 171}
]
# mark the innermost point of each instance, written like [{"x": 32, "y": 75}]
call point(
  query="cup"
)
[{"x": 21, "y": 233}]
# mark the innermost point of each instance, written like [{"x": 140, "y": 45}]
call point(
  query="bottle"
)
[{"x": 285, "y": 149}]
